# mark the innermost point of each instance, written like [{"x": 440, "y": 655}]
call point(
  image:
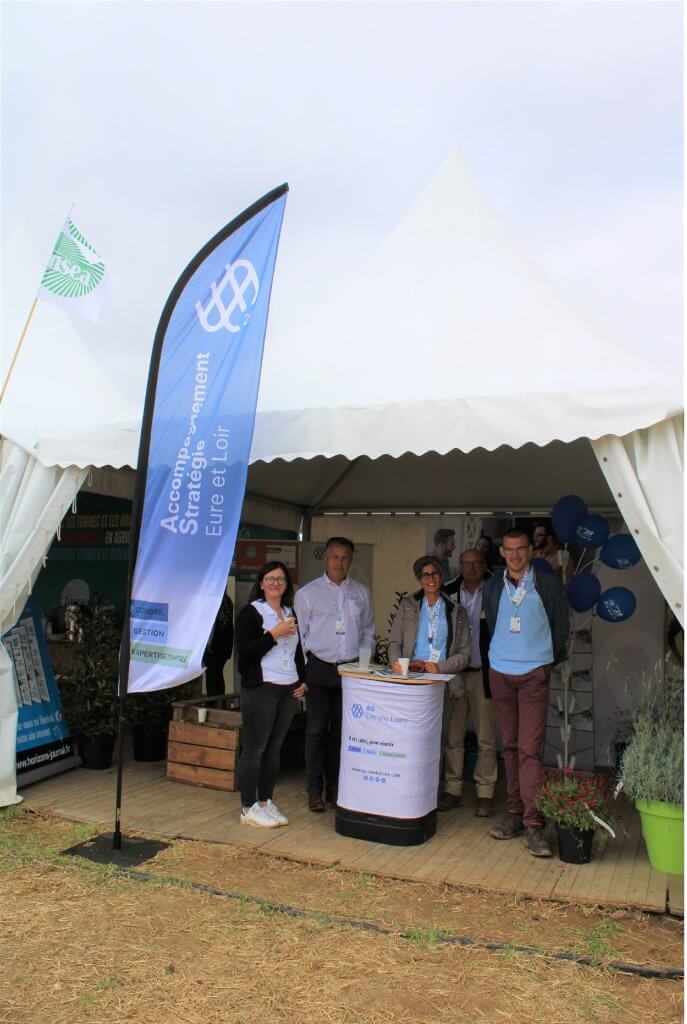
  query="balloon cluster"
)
[{"x": 573, "y": 524}]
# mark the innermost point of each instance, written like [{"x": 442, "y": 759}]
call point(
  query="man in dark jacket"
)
[
  {"x": 527, "y": 616},
  {"x": 475, "y": 701}
]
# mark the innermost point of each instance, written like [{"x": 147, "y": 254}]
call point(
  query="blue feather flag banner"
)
[{"x": 195, "y": 443}]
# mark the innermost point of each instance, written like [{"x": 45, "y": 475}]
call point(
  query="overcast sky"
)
[{"x": 162, "y": 121}]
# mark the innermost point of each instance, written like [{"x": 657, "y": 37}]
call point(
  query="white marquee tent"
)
[{"x": 445, "y": 375}]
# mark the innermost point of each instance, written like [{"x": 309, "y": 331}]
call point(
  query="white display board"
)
[{"x": 390, "y": 747}]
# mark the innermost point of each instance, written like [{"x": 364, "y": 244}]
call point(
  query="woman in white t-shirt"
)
[{"x": 271, "y": 667}]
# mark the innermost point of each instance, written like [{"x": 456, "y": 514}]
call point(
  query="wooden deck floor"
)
[{"x": 461, "y": 853}]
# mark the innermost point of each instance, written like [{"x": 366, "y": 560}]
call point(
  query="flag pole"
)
[{"x": 18, "y": 350}]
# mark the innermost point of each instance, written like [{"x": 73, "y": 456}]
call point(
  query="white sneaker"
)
[
  {"x": 275, "y": 813},
  {"x": 258, "y": 816}
]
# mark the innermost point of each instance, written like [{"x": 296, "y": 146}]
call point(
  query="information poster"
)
[
  {"x": 44, "y": 746},
  {"x": 390, "y": 747}
]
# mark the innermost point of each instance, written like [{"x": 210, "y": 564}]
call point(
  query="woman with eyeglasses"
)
[
  {"x": 271, "y": 667},
  {"x": 429, "y": 628}
]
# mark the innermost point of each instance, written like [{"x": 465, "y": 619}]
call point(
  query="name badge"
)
[
  {"x": 515, "y": 624},
  {"x": 285, "y": 659},
  {"x": 340, "y": 627},
  {"x": 434, "y": 654}
]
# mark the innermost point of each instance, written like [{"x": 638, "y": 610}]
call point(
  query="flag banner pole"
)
[
  {"x": 18, "y": 350},
  {"x": 196, "y": 435}
]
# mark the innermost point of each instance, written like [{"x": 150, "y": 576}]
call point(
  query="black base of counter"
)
[{"x": 377, "y": 828}]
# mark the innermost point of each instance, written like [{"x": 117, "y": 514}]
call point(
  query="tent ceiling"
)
[{"x": 530, "y": 478}]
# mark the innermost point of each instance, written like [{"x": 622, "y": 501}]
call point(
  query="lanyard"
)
[
  {"x": 516, "y": 596},
  {"x": 338, "y": 595},
  {"x": 468, "y": 605},
  {"x": 433, "y": 619}
]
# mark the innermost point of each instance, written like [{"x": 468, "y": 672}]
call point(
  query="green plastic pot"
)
[{"x": 662, "y": 827}]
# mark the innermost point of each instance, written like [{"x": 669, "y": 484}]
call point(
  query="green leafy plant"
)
[
  {"x": 573, "y": 799},
  {"x": 653, "y": 764},
  {"x": 89, "y": 692},
  {"x": 155, "y": 709},
  {"x": 381, "y": 654}
]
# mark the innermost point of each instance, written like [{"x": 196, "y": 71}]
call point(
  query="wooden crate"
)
[{"x": 205, "y": 754}]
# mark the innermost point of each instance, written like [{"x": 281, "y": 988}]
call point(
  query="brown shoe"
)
[
  {"x": 509, "y": 827},
  {"x": 315, "y": 801},
  {"x": 331, "y": 795},
  {"x": 447, "y": 801},
  {"x": 485, "y": 807},
  {"x": 536, "y": 843}
]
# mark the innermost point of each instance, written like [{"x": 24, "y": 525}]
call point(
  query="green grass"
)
[
  {"x": 102, "y": 988},
  {"x": 598, "y": 941},
  {"x": 424, "y": 938}
]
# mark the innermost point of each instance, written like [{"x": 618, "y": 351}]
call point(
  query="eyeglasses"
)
[
  {"x": 516, "y": 551},
  {"x": 473, "y": 561},
  {"x": 430, "y": 575},
  {"x": 274, "y": 581}
]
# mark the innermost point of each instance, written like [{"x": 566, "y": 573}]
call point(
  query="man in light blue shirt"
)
[
  {"x": 527, "y": 616},
  {"x": 335, "y": 618}
]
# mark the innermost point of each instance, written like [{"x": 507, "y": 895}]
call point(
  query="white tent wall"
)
[
  {"x": 34, "y": 500},
  {"x": 645, "y": 472}
]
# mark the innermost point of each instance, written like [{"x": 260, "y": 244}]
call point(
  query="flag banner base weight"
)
[
  {"x": 134, "y": 852},
  {"x": 377, "y": 828}
]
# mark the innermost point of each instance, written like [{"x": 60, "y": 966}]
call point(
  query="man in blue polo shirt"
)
[{"x": 527, "y": 616}]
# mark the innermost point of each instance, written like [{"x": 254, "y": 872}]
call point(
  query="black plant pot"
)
[
  {"x": 574, "y": 845},
  {"x": 96, "y": 751},
  {"x": 150, "y": 742},
  {"x": 620, "y": 749}
]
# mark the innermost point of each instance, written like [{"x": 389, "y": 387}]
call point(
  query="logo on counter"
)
[{"x": 357, "y": 710}]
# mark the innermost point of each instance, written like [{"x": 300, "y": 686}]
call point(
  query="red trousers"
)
[{"x": 521, "y": 704}]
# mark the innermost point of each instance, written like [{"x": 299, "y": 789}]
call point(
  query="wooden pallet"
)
[{"x": 205, "y": 753}]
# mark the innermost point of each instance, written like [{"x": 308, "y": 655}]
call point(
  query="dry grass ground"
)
[{"x": 78, "y": 943}]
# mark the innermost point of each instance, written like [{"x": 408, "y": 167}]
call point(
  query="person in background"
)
[
  {"x": 557, "y": 557},
  {"x": 444, "y": 546},
  {"x": 545, "y": 545},
  {"x": 219, "y": 648},
  {"x": 476, "y": 701},
  {"x": 539, "y": 534},
  {"x": 271, "y": 667},
  {"x": 527, "y": 616},
  {"x": 434, "y": 634},
  {"x": 335, "y": 617},
  {"x": 485, "y": 546}
]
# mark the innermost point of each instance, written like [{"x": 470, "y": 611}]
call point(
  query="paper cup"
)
[
  {"x": 202, "y": 714},
  {"x": 364, "y": 655},
  {"x": 404, "y": 662}
]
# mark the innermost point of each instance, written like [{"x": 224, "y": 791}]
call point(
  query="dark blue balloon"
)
[
  {"x": 583, "y": 591},
  {"x": 592, "y": 531},
  {"x": 541, "y": 565},
  {"x": 565, "y": 516},
  {"x": 620, "y": 552},
  {"x": 616, "y": 604}
]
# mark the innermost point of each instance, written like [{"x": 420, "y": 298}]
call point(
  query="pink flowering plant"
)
[{"x": 579, "y": 801}]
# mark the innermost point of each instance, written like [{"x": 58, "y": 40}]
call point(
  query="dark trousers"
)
[
  {"x": 323, "y": 725},
  {"x": 521, "y": 704},
  {"x": 214, "y": 675},
  {"x": 266, "y": 713}
]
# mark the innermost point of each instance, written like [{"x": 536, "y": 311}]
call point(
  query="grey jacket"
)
[{"x": 404, "y": 632}]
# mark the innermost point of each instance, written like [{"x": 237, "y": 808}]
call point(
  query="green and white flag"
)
[{"x": 75, "y": 275}]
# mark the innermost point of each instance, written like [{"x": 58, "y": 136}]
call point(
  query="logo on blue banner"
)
[{"x": 195, "y": 444}]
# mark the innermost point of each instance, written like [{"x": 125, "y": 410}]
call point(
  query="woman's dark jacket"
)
[{"x": 253, "y": 643}]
